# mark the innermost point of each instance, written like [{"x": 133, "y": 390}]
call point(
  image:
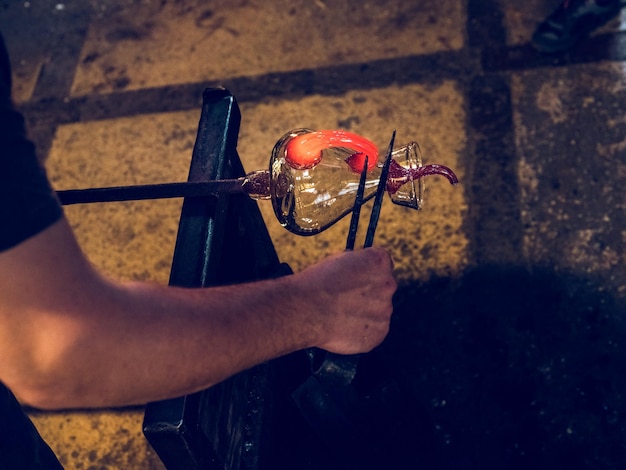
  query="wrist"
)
[{"x": 306, "y": 310}]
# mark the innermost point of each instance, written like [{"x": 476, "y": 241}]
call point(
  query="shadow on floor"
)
[{"x": 502, "y": 368}]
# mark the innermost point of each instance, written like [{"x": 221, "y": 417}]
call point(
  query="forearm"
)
[
  {"x": 84, "y": 341},
  {"x": 156, "y": 342}
]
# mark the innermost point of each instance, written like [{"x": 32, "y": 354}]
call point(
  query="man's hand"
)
[{"x": 351, "y": 298}]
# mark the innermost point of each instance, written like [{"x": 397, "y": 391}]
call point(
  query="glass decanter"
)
[{"x": 314, "y": 177}]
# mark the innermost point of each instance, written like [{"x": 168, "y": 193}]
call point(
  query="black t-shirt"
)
[{"x": 27, "y": 206}]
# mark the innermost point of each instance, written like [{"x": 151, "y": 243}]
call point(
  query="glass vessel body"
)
[{"x": 307, "y": 201}]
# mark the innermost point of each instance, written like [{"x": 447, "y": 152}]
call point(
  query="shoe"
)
[{"x": 572, "y": 21}]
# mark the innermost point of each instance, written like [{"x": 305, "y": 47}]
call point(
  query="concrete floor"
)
[{"x": 509, "y": 318}]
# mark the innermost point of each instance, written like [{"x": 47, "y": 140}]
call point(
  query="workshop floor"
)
[{"x": 508, "y": 334}]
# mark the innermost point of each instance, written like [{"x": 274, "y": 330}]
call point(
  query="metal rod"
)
[
  {"x": 356, "y": 211},
  {"x": 150, "y": 191},
  {"x": 378, "y": 202}
]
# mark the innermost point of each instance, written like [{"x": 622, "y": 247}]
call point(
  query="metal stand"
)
[{"x": 222, "y": 239}]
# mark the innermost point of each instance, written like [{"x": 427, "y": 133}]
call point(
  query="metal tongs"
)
[
  {"x": 378, "y": 201},
  {"x": 327, "y": 398}
]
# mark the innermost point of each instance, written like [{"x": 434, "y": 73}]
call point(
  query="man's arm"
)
[{"x": 71, "y": 338}]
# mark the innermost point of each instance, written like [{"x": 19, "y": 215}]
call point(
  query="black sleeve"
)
[
  {"x": 21, "y": 447},
  {"x": 28, "y": 204}
]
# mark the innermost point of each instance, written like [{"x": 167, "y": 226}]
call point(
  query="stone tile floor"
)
[{"x": 508, "y": 332}]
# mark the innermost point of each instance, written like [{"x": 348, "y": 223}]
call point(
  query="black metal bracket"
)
[{"x": 222, "y": 239}]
